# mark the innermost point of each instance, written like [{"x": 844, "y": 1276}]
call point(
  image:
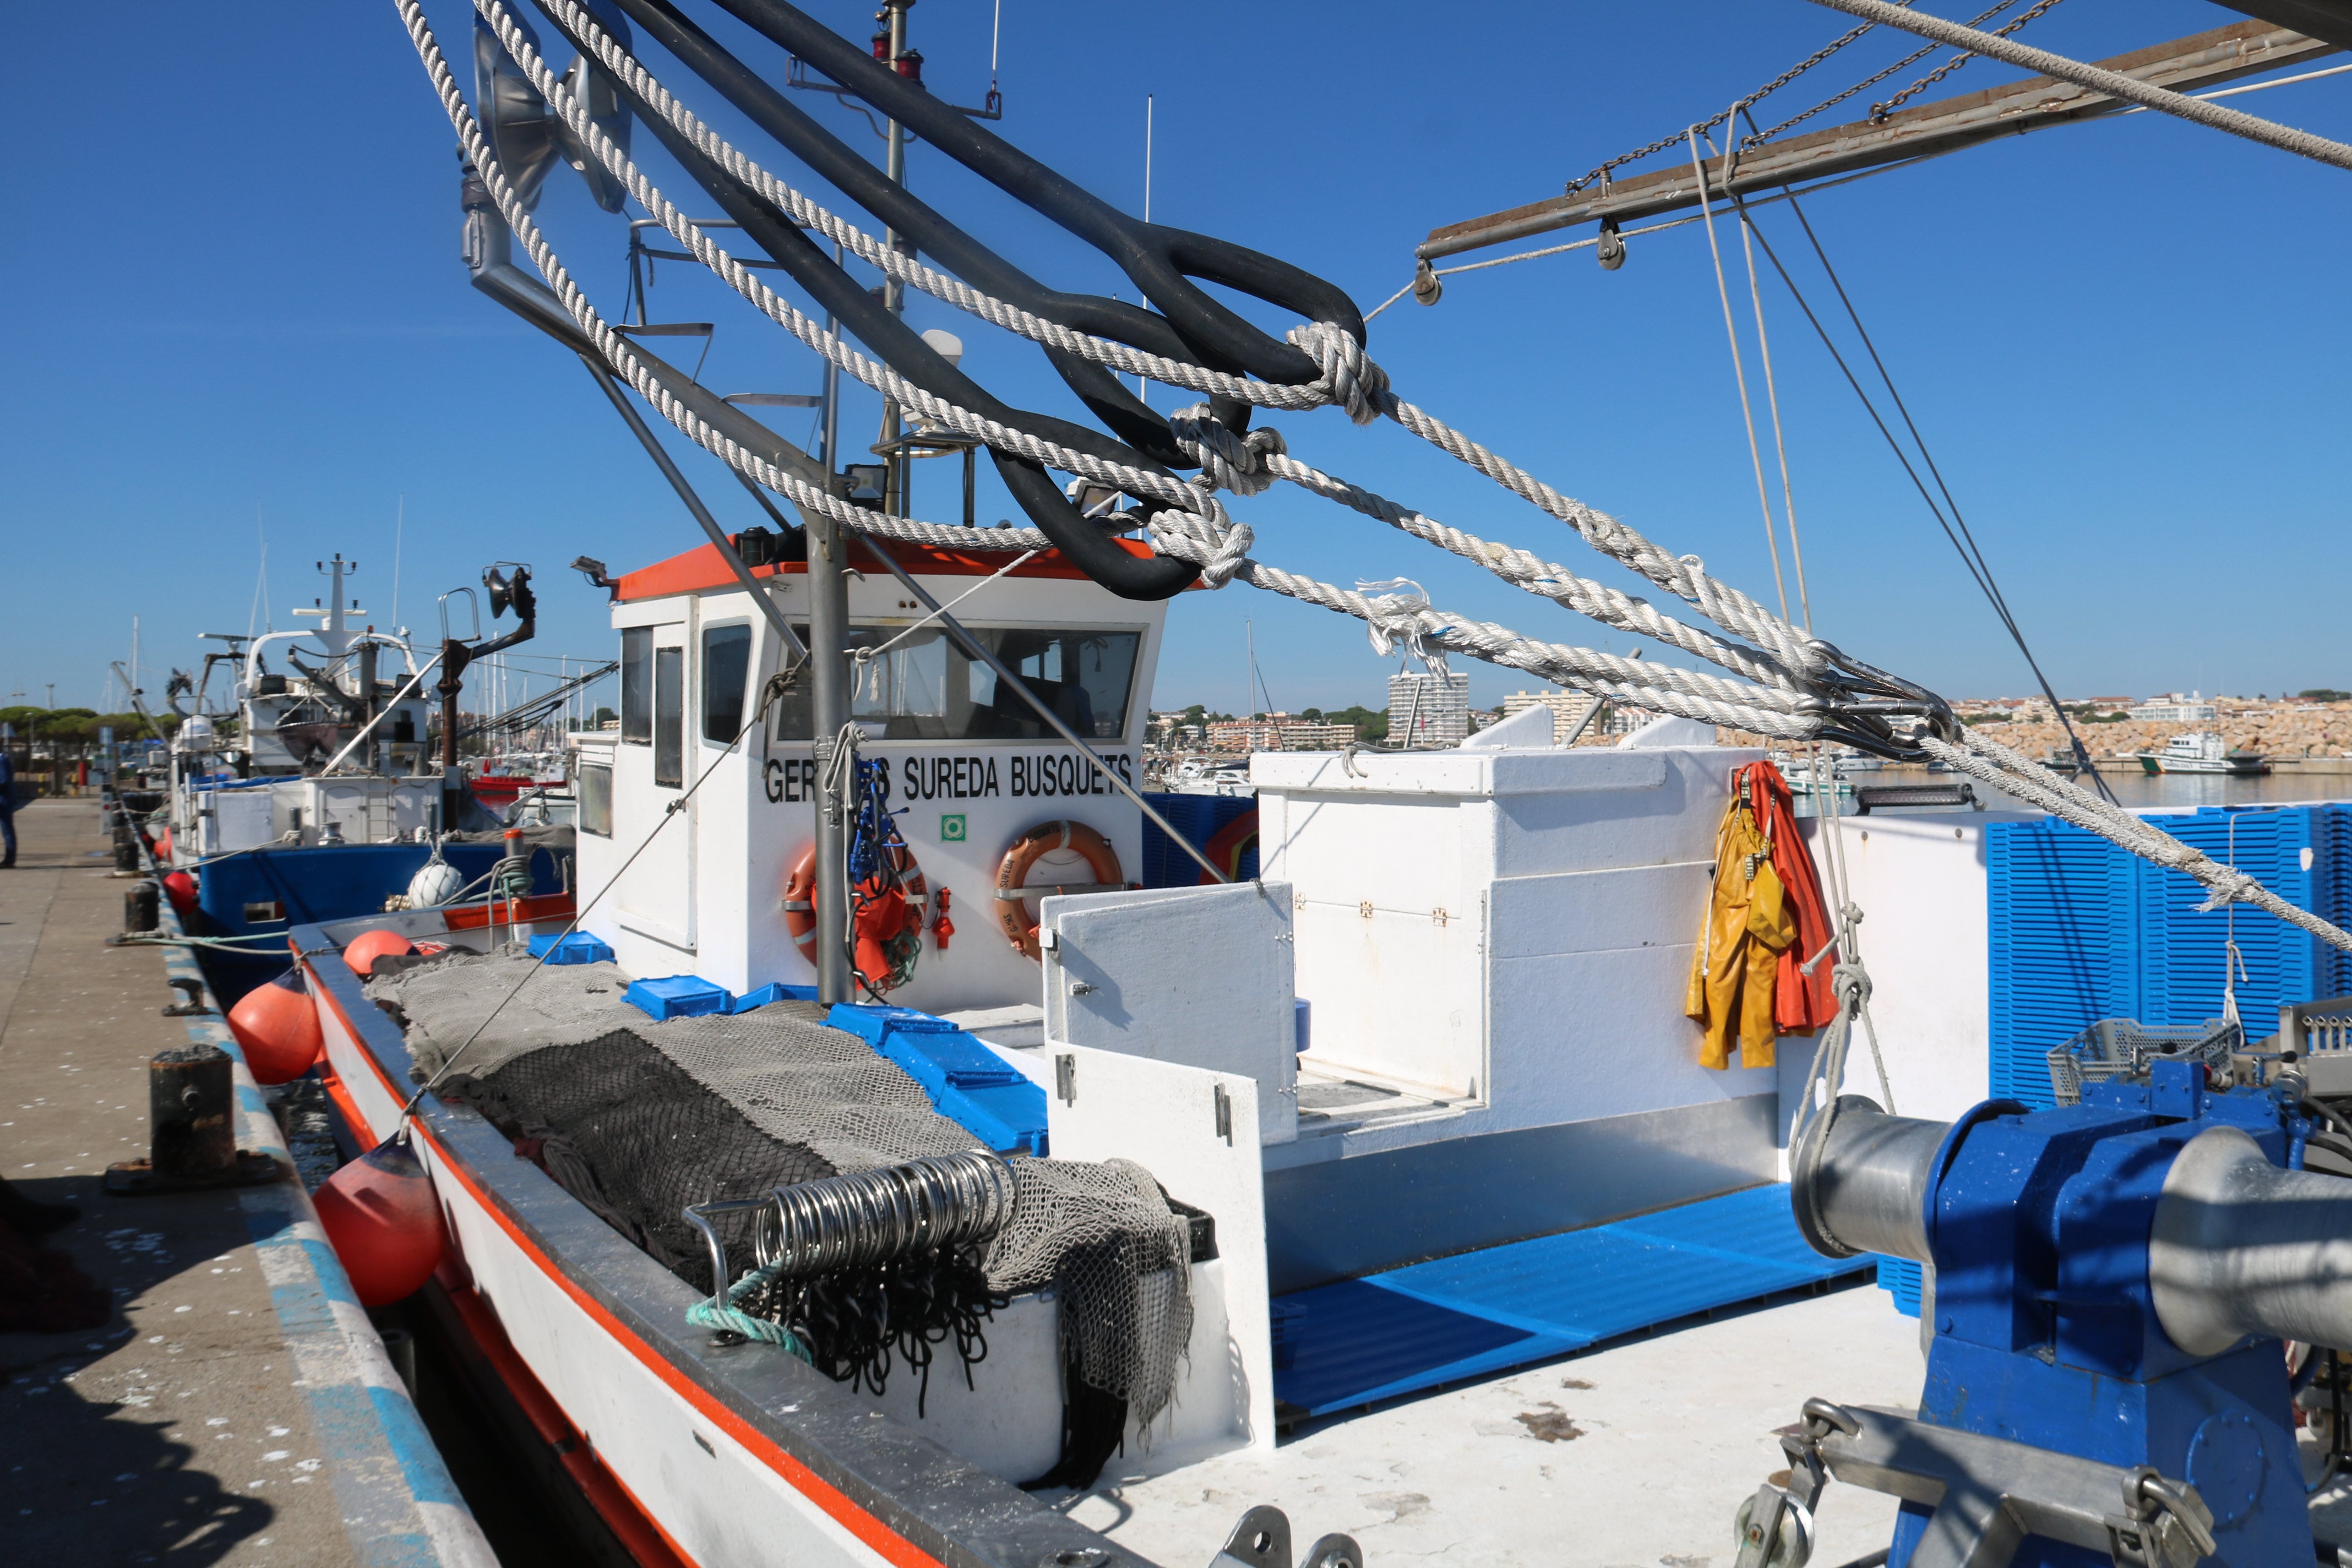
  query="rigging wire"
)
[
  {"x": 1604, "y": 172},
  {"x": 1739, "y": 374},
  {"x": 1955, "y": 525}
]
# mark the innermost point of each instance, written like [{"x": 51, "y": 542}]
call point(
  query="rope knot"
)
[
  {"x": 1208, "y": 536},
  {"x": 1349, "y": 379},
  {"x": 1851, "y": 984},
  {"x": 1392, "y": 612},
  {"x": 2227, "y": 886},
  {"x": 1237, "y": 463}
]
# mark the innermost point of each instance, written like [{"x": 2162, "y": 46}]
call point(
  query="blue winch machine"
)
[{"x": 2110, "y": 1285}]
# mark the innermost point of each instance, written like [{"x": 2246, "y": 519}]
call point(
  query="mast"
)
[{"x": 828, "y": 580}]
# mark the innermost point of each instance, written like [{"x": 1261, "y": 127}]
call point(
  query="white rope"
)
[
  {"x": 1738, "y": 369},
  {"x": 1195, "y": 527},
  {"x": 1349, "y": 378},
  {"x": 1996, "y": 764},
  {"x": 2099, "y": 79}
]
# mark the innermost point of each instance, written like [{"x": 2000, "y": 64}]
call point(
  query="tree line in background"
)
[{"x": 80, "y": 726}]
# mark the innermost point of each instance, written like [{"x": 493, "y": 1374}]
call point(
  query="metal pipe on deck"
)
[{"x": 2240, "y": 1247}]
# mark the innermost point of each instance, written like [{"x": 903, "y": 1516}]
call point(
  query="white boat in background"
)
[{"x": 2203, "y": 752}]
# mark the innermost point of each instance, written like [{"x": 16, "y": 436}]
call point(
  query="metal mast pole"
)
[
  {"x": 894, "y": 295},
  {"x": 828, "y": 579}
]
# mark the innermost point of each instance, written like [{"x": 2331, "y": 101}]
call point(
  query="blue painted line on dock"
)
[{"x": 401, "y": 1508}]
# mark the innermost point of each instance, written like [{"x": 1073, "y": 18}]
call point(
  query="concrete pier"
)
[{"x": 237, "y": 1407}]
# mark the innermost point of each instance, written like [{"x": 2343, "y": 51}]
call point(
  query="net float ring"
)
[{"x": 1058, "y": 848}]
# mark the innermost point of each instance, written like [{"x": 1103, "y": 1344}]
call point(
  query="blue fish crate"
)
[
  {"x": 677, "y": 997},
  {"x": 573, "y": 947}
]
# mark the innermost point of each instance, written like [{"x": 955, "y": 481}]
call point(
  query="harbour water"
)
[{"x": 2140, "y": 791}]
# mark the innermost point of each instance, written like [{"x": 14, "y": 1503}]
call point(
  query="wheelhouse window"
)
[
  {"x": 669, "y": 717},
  {"x": 921, "y": 686},
  {"x": 596, "y": 799},
  {"x": 725, "y": 662},
  {"x": 637, "y": 686}
]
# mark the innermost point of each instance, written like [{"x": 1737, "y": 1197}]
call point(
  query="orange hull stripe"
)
[{"x": 874, "y": 1534}]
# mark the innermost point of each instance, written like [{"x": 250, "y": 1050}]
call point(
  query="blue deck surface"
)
[{"x": 1432, "y": 1324}]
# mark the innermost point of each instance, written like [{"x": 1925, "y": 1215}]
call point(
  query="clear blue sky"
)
[{"x": 235, "y": 290}]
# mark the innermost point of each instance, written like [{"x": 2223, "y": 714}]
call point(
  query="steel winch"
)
[{"x": 2108, "y": 1286}]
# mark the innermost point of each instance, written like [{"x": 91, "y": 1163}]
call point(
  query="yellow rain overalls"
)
[{"x": 1749, "y": 926}]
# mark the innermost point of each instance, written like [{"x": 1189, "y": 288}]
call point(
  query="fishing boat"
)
[
  {"x": 804, "y": 1225},
  {"x": 2203, "y": 752},
  {"x": 311, "y": 791}
]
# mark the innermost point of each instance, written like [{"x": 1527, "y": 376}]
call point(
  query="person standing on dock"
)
[{"x": 8, "y": 812}]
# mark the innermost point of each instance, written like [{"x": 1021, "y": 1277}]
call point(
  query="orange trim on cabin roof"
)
[{"x": 701, "y": 568}]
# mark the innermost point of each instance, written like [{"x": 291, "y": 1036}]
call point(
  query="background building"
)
[
  {"x": 2174, "y": 709},
  {"x": 1278, "y": 733},
  {"x": 1428, "y": 710},
  {"x": 1567, "y": 707}
]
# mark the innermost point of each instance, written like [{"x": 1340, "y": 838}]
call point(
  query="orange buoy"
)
[
  {"x": 164, "y": 846},
  {"x": 181, "y": 888},
  {"x": 361, "y": 952},
  {"x": 277, "y": 1029},
  {"x": 385, "y": 1221},
  {"x": 1229, "y": 844}
]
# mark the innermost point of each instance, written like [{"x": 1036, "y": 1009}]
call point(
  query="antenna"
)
[{"x": 399, "y": 526}]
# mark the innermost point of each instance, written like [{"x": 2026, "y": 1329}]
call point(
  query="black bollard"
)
[
  {"x": 141, "y": 906},
  {"x": 192, "y": 1128}
]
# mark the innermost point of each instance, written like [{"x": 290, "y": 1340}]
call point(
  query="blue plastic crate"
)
[
  {"x": 677, "y": 997},
  {"x": 768, "y": 993},
  {"x": 1199, "y": 817},
  {"x": 2080, "y": 931},
  {"x": 1901, "y": 1279},
  {"x": 968, "y": 1083},
  {"x": 573, "y": 947}
]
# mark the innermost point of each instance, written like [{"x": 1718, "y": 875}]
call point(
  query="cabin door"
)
[{"x": 657, "y": 893}]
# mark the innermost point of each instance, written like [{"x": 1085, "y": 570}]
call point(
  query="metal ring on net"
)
[{"x": 870, "y": 1216}]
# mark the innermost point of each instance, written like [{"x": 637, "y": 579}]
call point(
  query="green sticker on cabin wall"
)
[{"x": 951, "y": 827}]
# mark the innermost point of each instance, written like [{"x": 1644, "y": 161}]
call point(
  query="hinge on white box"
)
[
  {"x": 1225, "y": 1114},
  {"x": 1439, "y": 915},
  {"x": 1066, "y": 1078}
]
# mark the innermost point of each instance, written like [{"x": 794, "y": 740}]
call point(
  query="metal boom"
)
[{"x": 1947, "y": 125}]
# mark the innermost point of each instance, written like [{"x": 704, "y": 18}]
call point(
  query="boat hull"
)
[{"x": 696, "y": 1453}]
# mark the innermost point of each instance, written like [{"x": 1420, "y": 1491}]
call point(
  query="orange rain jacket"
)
[{"x": 1766, "y": 917}]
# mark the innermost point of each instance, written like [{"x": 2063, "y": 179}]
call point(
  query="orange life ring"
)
[
  {"x": 886, "y": 917},
  {"x": 1229, "y": 844},
  {"x": 1012, "y": 912}
]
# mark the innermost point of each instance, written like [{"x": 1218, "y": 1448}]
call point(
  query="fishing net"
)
[{"x": 639, "y": 1119}]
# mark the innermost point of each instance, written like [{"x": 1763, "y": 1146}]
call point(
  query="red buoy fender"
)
[
  {"x": 883, "y": 914},
  {"x": 383, "y": 1220},
  {"x": 361, "y": 952},
  {"x": 276, "y": 1026},
  {"x": 181, "y": 888},
  {"x": 1229, "y": 844},
  {"x": 164, "y": 846}
]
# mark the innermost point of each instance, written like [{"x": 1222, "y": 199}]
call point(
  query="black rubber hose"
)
[
  {"x": 897, "y": 345},
  {"x": 1161, "y": 261}
]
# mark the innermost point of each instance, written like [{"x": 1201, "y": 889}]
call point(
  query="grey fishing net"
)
[{"x": 639, "y": 1119}]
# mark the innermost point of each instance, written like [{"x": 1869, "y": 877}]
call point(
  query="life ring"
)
[
  {"x": 1229, "y": 844},
  {"x": 889, "y": 919},
  {"x": 1062, "y": 841}
]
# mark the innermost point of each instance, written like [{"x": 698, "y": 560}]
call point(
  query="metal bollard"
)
[
  {"x": 141, "y": 906},
  {"x": 192, "y": 1129}
]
